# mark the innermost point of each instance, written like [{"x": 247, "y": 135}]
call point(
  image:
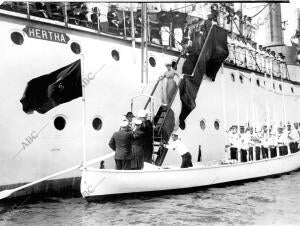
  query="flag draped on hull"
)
[
  {"x": 50, "y": 90},
  {"x": 211, "y": 57}
]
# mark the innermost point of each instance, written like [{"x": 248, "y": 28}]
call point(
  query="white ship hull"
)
[{"x": 97, "y": 184}]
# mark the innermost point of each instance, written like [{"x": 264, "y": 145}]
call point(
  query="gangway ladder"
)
[
  {"x": 158, "y": 137},
  {"x": 161, "y": 136}
]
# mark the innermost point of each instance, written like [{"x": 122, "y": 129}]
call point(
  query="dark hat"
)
[
  {"x": 129, "y": 114},
  {"x": 273, "y": 53}
]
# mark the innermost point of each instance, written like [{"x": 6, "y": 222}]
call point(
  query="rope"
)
[{"x": 259, "y": 11}]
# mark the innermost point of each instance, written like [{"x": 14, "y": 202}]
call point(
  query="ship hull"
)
[
  {"x": 233, "y": 99},
  {"x": 110, "y": 184}
]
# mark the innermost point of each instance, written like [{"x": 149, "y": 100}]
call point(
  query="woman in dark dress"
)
[{"x": 137, "y": 143}]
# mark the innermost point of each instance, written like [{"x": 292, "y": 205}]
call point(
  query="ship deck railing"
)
[{"x": 25, "y": 13}]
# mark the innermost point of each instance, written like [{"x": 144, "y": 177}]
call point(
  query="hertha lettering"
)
[{"x": 38, "y": 33}]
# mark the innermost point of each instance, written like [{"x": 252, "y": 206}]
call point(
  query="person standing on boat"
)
[
  {"x": 233, "y": 138},
  {"x": 169, "y": 85},
  {"x": 293, "y": 137},
  {"x": 181, "y": 149},
  {"x": 137, "y": 148},
  {"x": 147, "y": 128},
  {"x": 120, "y": 142},
  {"x": 282, "y": 141}
]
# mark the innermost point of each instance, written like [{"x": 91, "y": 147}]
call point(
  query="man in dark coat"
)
[
  {"x": 147, "y": 128},
  {"x": 137, "y": 146},
  {"x": 120, "y": 142}
]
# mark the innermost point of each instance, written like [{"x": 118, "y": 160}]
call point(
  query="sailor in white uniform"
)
[
  {"x": 282, "y": 66},
  {"x": 240, "y": 52},
  {"x": 181, "y": 149},
  {"x": 265, "y": 143},
  {"x": 260, "y": 59},
  {"x": 231, "y": 49},
  {"x": 282, "y": 141},
  {"x": 268, "y": 60},
  {"x": 293, "y": 137},
  {"x": 274, "y": 64},
  {"x": 248, "y": 140},
  {"x": 233, "y": 139},
  {"x": 250, "y": 54}
]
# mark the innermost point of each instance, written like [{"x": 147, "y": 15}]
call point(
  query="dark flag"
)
[
  {"x": 211, "y": 57},
  {"x": 48, "y": 91}
]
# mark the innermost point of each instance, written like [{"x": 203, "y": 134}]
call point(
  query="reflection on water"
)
[{"x": 273, "y": 201}]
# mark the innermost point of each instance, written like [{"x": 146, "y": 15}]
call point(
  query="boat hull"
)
[{"x": 107, "y": 184}]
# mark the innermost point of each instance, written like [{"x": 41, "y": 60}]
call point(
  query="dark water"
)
[{"x": 272, "y": 201}]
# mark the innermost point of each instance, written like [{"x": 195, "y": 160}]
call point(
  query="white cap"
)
[
  {"x": 137, "y": 122},
  {"x": 123, "y": 123},
  {"x": 175, "y": 133},
  {"x": 168, "y": 62},
  {"x": 142, "y": 113}
]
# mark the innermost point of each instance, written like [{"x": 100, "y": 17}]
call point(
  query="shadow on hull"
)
[{"x": 44, "y": 191}]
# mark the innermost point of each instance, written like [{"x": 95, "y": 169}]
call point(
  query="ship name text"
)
[{"x": 43, "y": 34}]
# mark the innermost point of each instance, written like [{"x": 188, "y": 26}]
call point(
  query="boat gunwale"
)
[{"x": 190, "y": 168}]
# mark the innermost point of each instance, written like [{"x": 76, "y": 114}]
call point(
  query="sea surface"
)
[{"x": 271, "y": 201}]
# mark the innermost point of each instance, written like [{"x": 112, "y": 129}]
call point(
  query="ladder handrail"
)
[{"x": 151, "y": 94}]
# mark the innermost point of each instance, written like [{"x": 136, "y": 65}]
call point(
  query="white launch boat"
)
[{"x": 103, "y": 184}]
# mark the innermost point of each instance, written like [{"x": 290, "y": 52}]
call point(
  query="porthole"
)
[
  {"x": 232, "y": 77},
  {"x": 75, "y": 47},
  {"x": 115, "y": 55},
  {"x": 17, "y": 38},
  {"x": 292, "y": 89},
  {"x": 97, "y": 123},
  {"x": 280, "y": 87},
  {"x": 241, "y": 79},
  {"x": 257, "y": 82},
  {"x": 152, "y": 61},
  {"x": 202, "y": 124},
  {"x": 59, "y": 123},
  {"x": 217, "y": 125}
]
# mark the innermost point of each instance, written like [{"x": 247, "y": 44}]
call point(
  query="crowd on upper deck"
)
[{"x": 168, "y": 27}]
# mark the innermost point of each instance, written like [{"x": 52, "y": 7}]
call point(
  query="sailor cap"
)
[
  {"x": 175, "y": 133},
  {"x": 142, "y": 113},
  {"x": 123, "y": 123},
  {"x": 137, "y": 122}
]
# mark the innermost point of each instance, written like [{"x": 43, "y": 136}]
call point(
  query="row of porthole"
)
[
  {"x": 60, "y": 123},
  {"x": 18, "y": 39},
  {"x": 75, "y": 47},
  {"x": 203, "y": 124},
  {"x": 258, "y": 82}
]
